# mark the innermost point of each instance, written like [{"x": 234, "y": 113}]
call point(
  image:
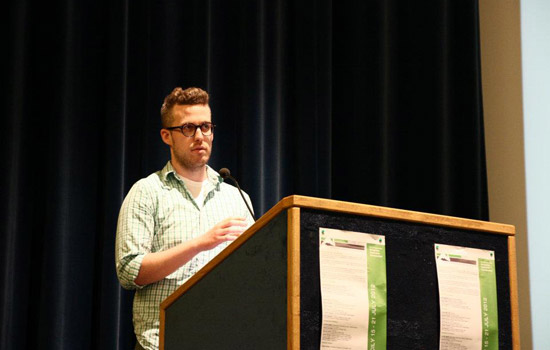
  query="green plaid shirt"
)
[{"x": 157, "y": 214}]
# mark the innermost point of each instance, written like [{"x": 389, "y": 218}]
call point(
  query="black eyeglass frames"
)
[{"x": 189, "y": 129}]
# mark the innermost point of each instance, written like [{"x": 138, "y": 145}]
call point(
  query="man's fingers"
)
[
  {"x": 234, "y": 222},
  {"x": 232, "y": 230},
  {"x": 231, "y": 236}
]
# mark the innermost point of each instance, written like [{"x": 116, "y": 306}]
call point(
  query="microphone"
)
[{"x": 226, "y": 174}]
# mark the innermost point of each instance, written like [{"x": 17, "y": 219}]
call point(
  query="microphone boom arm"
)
[{"x": 225, "y": 173}]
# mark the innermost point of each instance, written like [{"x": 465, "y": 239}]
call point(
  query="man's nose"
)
[{"x": 198, "y": 134}]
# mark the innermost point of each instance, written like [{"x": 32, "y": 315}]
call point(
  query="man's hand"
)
[{"x": 226, "y": 230}]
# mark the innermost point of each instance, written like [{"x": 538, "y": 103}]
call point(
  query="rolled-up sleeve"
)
[{"x": 134, "y": 235}]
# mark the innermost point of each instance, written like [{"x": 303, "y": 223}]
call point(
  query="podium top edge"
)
[{"x": 392, "y": 213}]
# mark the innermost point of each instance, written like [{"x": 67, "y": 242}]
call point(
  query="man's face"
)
[{"x": 190, "y": 153}]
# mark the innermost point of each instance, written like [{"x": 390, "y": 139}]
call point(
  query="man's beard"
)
[{"x": 188, "y": 163}]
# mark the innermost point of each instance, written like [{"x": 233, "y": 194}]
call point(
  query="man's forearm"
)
[{"x": 155, "y": 266}]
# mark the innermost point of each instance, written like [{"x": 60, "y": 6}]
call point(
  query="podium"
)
[{"x": 263, "y": 290}]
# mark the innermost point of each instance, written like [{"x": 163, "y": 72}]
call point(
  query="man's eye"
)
[{"x": 189, "y": 128}]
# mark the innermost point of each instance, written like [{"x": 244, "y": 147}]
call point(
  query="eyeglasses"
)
[{"x": 189, "y": 129}]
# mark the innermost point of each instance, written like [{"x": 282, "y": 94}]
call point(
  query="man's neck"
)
[{"x": 195, "y": 174}]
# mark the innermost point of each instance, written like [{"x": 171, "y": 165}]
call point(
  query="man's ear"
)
[{"x": 166, "y": 136}]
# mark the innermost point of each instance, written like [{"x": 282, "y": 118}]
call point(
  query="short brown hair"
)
[{"x": 178, "y": 96}]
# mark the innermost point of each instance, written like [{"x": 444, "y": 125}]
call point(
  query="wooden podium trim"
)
[
  {"x": 514, "y": 301},
  {"x": 397, "y": 214},
  {"x": 293, "y": 279}
]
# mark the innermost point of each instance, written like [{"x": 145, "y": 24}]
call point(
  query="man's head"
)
[{"x": 187, "y": 128}]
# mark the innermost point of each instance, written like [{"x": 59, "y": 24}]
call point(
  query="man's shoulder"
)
[{"x": 151, "y": 185}]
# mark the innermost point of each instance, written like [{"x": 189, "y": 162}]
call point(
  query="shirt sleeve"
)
[{"x": 134, "y": 235}]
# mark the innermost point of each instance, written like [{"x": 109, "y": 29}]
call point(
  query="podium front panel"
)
[
  {"x": 241, "y": 304},
  {"x": 412, "y": 288}
]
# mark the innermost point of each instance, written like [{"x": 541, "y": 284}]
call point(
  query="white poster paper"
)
[
  {"x": 353, "y": 290},
  {"x": 467, "y": 298}
]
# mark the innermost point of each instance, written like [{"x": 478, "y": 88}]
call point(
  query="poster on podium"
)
[
  {"x": 467, "y": 297},
  {"x": 353, "y": 290}
]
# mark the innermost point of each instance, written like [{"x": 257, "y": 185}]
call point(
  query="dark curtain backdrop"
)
[{"x": 374, "y": 102}]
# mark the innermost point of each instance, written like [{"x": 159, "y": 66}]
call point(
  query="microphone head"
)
[{"x": 224, "y": 172}]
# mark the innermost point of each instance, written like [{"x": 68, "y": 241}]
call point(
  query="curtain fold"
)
[{"x": 375, "y": 102}]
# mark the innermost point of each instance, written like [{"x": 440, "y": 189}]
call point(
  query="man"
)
[{"x": 176, "y": 220}]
